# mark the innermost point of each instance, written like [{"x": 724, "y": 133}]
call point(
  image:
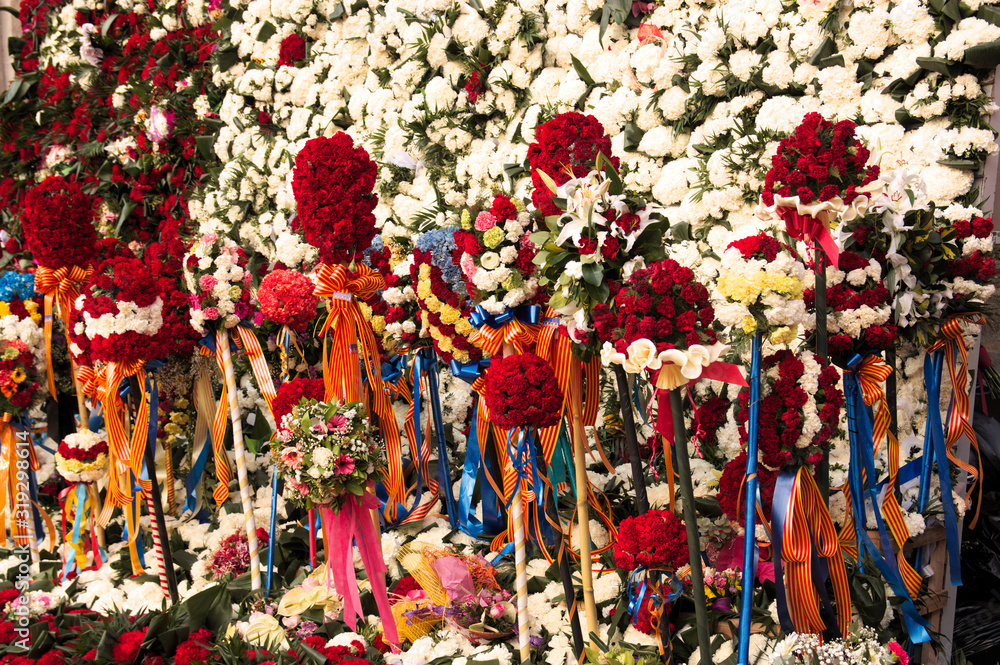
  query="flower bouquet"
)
[
  {"x": 495, "y": 254},
  {"x": 395, "y": 317},
  {"x": 288, "y": 299},
  {"x": 83, "y": 457},
  {"x": 59, "y": 229},
  {"x": 762, "y": 286},
  {"x": 488, "y": 616},
  {"x": 324, "y": 451},
  {"x": 217, "y": 282},
  {"x": 596, "y": 236},
  {"x": 19, "y": 390},
  {"x": 859, "y": 645}
]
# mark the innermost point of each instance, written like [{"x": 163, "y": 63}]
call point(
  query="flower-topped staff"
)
[
  {"x": 287, "y": 298},
  {"x": 59, "y": 229},
  {"x": 660, "y": 323},
  {"x": 219, "y": 286},
  {"x": 329, "y": 461},
  {"x": 19, "y": 392},
  {"x": 522, "y": 393},
  {"x": 122, "y": 320},
  {"x": 82, "y": 460}
]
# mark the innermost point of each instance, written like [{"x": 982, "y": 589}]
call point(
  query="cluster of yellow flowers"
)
[
  {"x": 179, "y": 420},
  {"x": 450, "y": 316},
  {"x": 748, "y": 289},
  {"x": 29, "y": 305}
]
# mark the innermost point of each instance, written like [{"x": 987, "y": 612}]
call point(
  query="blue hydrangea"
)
[
  {"x": 376, "y": 246},
  {"x": 440, "y": 243},
  {"x": 16, "y": 286}
]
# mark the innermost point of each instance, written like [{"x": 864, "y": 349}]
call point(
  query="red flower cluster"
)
[
  {"x": 662, "y": 303},
  {"x": 292, "y": 50},
  {"x": 732, "y": 488},
  {"x": 291, "y": 393},
  {"x": 332, "y": 183},
  {"x": 977, "y": 267},
  {"x": 475, "y": 86},
  {"x": 781, "y": 411},
  {"x": 656, "y": 538},
  {"x": 58, "y": 224},
  {"x": 232, "y": 559},
  {"x": 195, "y": 650},
  {"x": 818, "y": 162},
  {"x": 844, "y": 297},
  {"x": 83, "y": 454},
  {"x": 760, "y": 246},
  {"x": 569, "y": 143},
  {"x": 127, "y": 648},
  {"x": 119, "y": 280},
  {"x": 522, "y": 391},
  {"x": 980, "y": 227},
  {"x": 338, "y": 655},
  {"x": 403, "y": 587},
  {"x": 708, "y": 418},
  {"x": 286, "y": 298}
]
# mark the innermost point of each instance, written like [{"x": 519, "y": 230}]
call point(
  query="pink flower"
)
[
  {"x": 497, "y": 611},
  {"x": 258, "y": 319},
  {"x": 337, "y": 423},
  {"x": 485, "y": 221},
  {"x": 344, "y": 465},
  {"x": 207, "y": 282},
  {"x": 468, "y": 266},
  {"x": 319, "y": 429},
  {"x": 292, "y": 457},
  {"x": 899, "y": 651},
  {"x": 284, "y": 435},
  {"x": 209, "y": 238},
  {"x": 247, "y": 278},
  {"x": 211, "y": 313}
]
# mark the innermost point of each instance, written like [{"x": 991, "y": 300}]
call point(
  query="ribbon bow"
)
[
  {"x": 517, "y": 327},
  {"x": 61, "y": 285}
]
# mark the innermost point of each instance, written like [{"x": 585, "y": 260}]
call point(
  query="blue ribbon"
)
[
  {"x": 525, "y": 313},
  {"x": 393, "y": 368},
  {"x": 524, "y": 460},
  {"x": 750, "y": 517},
  {"x": 381, "y": 492},
  {"x": 81, "y": 499},
  {"x": 863, "y": 486},
  {"x": 638, "y": 582},
  {"x": 779, "y": 513},
  {"x": 96, "y": 421},
  {"x": 429, "y": 357},
  {"x": 936, "y": 449},
  {"x": 136, "y": 489},
  {"x": 194, "y": 476}
]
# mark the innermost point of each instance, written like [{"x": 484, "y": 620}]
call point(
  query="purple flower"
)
[{"x": 161, "y": 124}]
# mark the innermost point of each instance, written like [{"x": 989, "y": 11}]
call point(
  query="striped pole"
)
[
  {"x": 157, "y": 546},
  {"x": 241, "y": 461},
  {"x": 520, "y": 566}
]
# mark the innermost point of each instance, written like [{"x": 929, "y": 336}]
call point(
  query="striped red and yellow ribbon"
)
[
  {"x": 516, "y": 333},
  {"x": 807, "y": 522},
  {"x": 352, "y": 336},
  {"x": 61, "y": 287},
  {"x": 958, "y": 416},
  {"x": 871, "y": 375},
  {"x": 223, "y": 470}
]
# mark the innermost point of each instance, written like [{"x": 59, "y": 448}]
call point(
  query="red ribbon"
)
[
  {"x": 355, "y": 521},
  {"x": 717, "y": 371},
  {"x": 810, "y": 229}
]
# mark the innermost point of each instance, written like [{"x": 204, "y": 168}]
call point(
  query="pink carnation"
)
[
  {"x": 207, "y": 282},
  {"x": 485, "y": 221},
  {"x": 286, "y": 297},
  {"x": 211, "y": 313}
]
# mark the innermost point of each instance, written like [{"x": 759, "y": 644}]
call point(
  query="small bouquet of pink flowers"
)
[
  {"x": 483, "y": 617},
  {"x": 325, "y": 454}
]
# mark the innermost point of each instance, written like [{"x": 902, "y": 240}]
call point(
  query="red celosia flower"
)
[{"x": 292, "y": 50}]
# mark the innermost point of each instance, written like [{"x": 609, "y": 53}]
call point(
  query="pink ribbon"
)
[
  {"x": 810, "y": 229},
  {"x": 717, "y": 371},
  {"x": 340, "y": 530}
]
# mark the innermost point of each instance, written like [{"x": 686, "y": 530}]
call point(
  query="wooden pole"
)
[{"x": 580, "y": 445}]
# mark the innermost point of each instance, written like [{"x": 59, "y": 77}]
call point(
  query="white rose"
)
[
  {"x": 490, "y": 260},
  {"x": 642, "y": 355}
]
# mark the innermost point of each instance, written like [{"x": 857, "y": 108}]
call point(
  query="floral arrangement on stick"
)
[
  {"x": 19, "y": 389},
  {"x": 325, "y": 452},
  {"x": 217, "y": 282},
  {"x": 763, "y": 287},
  {"x": 82, "y": 457}
]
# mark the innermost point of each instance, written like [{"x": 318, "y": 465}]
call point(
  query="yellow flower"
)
[
  {"x": 172, "y": 428},
  {"x": 450, "y": 315},
  {"x": 181, "y": 403},
  {"x": 466, "y": 220},
  {"x": 749, "y": 324},
  {"x": 4, "y": 309},
  {"x": 463, "y": 327},
  {"x": 378, "y": 324},
  {"x": 493, "y": 237},
  {"x": 180, "y": 418},
  {"x": 423, "y": 289},
  {"x": 461, "y": 356},
  {"x": 784, "y": 334},
  {"x": 19, "y": 375},
  {"x": 235, "y": 292}
]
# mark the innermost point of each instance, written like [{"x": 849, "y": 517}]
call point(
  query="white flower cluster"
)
[{"x": 130, "y": 318}]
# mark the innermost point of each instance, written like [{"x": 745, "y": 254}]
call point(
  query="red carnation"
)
[
  {"x": 58, "y": 224},
  {"x": 293, "y": 49},
  {"x": 291, "y": 393},
  {"x": 286, "y": 298},
  {"x": 655, "y": 538},
  {"x": 332, "y": 183},
  {"x": 522, "y": 391}
]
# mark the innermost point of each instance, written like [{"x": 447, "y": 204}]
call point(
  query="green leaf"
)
[
  {"x": 962, "y": 164},
  {"x": 593, "y": 274},
  {"x": 211, "y": 608},
  {"x": 681, "y": 231},
  {"x": 939, "y": 65},
  {"x": 582, "y": 72},
  {"x": 266, "y": 31},
  {"x": 549, "y": 182},
  {"x": 108, "y": 22},
  {"x": 605, "y": 19},
  {"x": 826, "y": 48},
  {"x": 538, "y": 238},
  {"x": 599, "y": 293},
  {"x": 633, "y": 136},
  {"x": 206, "y": 145},
  {"x": 338, "y": 11},
  {"x": 226, "y": 58},
  {"x": 987, "y": 13},
  {"x": 983, "y": 56},
  {"x": 127, "y": 209}
]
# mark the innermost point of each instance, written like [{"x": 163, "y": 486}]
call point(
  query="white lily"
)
[{"x": 680, "y": 367}]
